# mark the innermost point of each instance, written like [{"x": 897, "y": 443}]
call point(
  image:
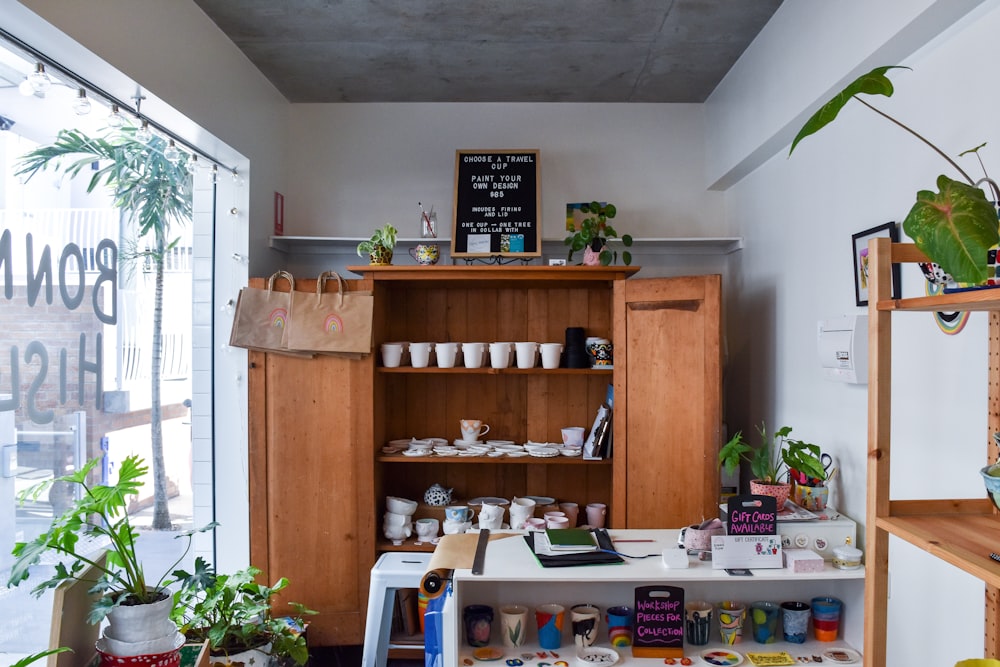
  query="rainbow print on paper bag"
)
[
  {"x": 333, "y": 324},
  {"x": 278, "y": 318}
]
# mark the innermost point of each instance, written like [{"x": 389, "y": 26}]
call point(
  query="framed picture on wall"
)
[{"x": 859, "y": 245}]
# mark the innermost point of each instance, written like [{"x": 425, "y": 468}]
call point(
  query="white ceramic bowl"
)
[
  {"x": 421, "y": 444},
  {"x": 400, "y": 505}
]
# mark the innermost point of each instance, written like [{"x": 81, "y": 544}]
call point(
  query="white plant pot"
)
[
  {"x": 256, "y": 657},
  {"x": 118, "y": 648},
  {"x": 141, "y": 622}
]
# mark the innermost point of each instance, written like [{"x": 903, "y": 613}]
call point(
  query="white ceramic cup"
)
[
  {"x": 550, "y": 354},
  {"x": 556, "y": 522},
  {"x": 500, "y": 355},
  {"x": 527, "y": 354},
  {"x": 446, "y": 353},
  {"x": 396, "y": 533},
  {"x": 392, "y": 354},
  {"x": 427, "y": 528},
  {"x": 472, "y": 429},
  {"x": 573, "y": 436},
  {"x": 572, "y": 512},
  {"x": 393, "y": 519},
  {"x": 534, "y": 523},
  {"x": 420, "y": 354},
  {"x": 596, "y": 513},
  {"x": 490, "y": 516},
  {"x": 521, "y": 509},
  {"x": 455, "y": 527},
  {"x": 473, "y": 354}
]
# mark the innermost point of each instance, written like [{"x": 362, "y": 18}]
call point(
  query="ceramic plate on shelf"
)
[
  {"x": 542, "y": 500},
  {"x": 515, "y": 455},
  {"x": 718, "y": 656},
  {"x": 417, "y": 452},
  {"x": 490, "y": 500},
  {"x": 842, "y": 656},
  {"x": 544, "y": 452},
  {"x": 570, "y": 451},
  {"x": 596, "y": 655}
]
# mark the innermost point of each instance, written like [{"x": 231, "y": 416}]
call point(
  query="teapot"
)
[{"x": 437, "y": 496}]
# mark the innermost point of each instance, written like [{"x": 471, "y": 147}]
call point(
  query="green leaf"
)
[
  {"x": 610, "y": 210},
  {"x": 627, "y": 257},
  {"x": 955, "y": 228},
  {"x": 874, "y": 82}
]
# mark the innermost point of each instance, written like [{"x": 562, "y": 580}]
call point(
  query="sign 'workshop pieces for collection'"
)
[{"x": 497, "y": 204}]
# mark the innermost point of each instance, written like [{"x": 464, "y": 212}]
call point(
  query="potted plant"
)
[
  {"x": 595, "y": 234},
  {"x": 233, "y": 613},
  {"x": 775, "y": 455},
  {"x": 137, "y": 610},
  {"x": 380, "y": 246},
  {"x": 956, "y": 226}
]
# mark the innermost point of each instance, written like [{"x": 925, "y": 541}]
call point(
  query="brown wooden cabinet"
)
[{"x": 319, "y": 478}]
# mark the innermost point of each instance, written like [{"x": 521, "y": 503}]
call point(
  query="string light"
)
[
  {"x": 171, "y": 154},
  {"x": 144, "y": 134},
  {"x": 25, "y": 88},
  {"x": 39, "y": 80},
  {"x": 81, "y": 105},
  {"x": 115, "y": 118}
]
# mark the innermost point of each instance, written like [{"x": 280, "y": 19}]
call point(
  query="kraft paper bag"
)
[
  {"x": 331, "y": 323},
  {"x": 261, "y": 318}
]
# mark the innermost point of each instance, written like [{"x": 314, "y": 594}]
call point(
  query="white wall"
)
[
  {"x": 354, "y": 167},
  {"x": 797, "y": 215}
]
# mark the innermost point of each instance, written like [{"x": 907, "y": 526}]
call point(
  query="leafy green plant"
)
[
  {"x": 384, "y": 237},
  {"x": 596, "y": 233},
  {"x": 773, "y": 456},
  {"x": 233, "y": 613},
  {"x": 35, "y": 657},
  {"x": 154, "y": 194},
  {"x": 956, "y": 226},
  {"x": 100, "y": 514}
]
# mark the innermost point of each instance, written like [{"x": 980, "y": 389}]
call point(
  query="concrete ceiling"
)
[{"x": 492, "y": 50}]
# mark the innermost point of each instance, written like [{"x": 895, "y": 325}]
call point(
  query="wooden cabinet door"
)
[
  {"x": 311, "y": 512},
  {"x": 668, "y": 398}
]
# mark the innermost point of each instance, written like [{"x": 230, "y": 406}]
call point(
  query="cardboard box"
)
[
  {"x": 803, "y": 560},
  {"x": 746, "y": 551}
]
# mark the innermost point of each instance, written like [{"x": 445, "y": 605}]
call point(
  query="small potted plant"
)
[
  {"x": 955, "y": 227},
  {"x": 232, "y": 612},
  {"x": 137, "y": 610},
  {"x": 775, "y": 455},
  {"x": 380, "y": 246},
  {"x": 595, "y": 234}
]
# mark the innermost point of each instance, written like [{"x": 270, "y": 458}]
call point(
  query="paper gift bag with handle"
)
[
  {"x": 261, "y": 318},
  {"x": 331, "y": 323}
]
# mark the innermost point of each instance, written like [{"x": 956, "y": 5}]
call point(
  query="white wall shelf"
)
[{"x": 326, "y": 245}]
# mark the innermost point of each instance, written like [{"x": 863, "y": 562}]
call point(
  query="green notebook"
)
[{"x": 571, "y": 539}]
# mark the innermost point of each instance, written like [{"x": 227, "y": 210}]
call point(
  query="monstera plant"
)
[{"x": 955, "y": 226}]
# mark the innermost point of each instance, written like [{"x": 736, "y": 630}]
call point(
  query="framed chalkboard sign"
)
[{"x": 497, "y": 204}]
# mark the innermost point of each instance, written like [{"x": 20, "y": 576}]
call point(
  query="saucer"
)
[
  {"x": 543, "y": 452},
  {"x": 489, "y": 500},
  {"x": 416, "y": 452}
]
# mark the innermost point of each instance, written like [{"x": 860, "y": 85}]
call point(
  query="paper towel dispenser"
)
[{"x": 842, "y": 344}]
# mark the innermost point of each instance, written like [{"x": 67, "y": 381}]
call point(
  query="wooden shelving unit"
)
[{"x": 960, "y": 532}]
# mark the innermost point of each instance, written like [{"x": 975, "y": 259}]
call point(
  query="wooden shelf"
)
[
  {"x": 502, "y": 460},
  {"x": 963, "y": 540},
  {"x": 409, "y": 370},
  {"x": 547, "y": 277}
]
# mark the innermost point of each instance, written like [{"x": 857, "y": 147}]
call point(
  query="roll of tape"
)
[{"x": 433, "y": 583}]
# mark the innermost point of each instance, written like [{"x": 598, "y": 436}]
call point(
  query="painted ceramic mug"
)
[{"x": 426, "y": 253}]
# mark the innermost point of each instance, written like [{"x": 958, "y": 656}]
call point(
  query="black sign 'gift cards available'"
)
[{"x": 752, "y": 515}]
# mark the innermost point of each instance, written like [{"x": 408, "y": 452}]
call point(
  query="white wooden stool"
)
[{"x": 392, "y": 571}]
